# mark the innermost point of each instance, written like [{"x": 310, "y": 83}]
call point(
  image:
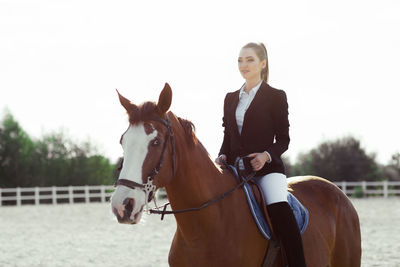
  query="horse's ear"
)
[
  {"x": 126, "y": 103},
  {"x": 164, "y": 101}
]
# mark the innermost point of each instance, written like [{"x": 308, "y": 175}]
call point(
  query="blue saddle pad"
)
[{"x": 300, "y": 212}]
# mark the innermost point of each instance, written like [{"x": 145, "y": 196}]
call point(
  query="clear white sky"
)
[{"x": 338, "y": 62}]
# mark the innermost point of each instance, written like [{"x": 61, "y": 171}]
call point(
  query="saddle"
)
[
  {"x": 258, "y": 208},
  {"x": 256, "y": 201}
]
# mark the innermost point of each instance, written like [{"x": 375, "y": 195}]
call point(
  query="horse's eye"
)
[{"x": 155, "y": 142}]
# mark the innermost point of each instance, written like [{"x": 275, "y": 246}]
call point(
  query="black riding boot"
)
[{"x": 285, "y": 227}]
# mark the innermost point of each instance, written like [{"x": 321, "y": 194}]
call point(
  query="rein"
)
[{"x": 204, "y": 205}]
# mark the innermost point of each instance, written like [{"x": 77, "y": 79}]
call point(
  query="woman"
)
[{"x": 254, "y": 116}]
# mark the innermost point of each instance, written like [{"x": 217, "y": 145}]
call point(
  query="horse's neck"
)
[
  {"x": 197, "y": 181},
  {"x": 222, "y": 231}
]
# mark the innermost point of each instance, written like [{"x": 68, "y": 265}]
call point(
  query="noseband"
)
[{"x": 149, "y": 188}]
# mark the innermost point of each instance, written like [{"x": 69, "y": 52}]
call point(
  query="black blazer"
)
[{"x": 266, "y": 119}]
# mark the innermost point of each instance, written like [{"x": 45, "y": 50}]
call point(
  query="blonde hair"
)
[{"x": 261, "y": 52}]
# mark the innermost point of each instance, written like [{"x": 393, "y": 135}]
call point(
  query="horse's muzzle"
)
[{"x": 124, "y": 212}]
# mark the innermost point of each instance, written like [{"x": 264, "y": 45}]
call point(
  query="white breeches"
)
[{"x": 274, "y": 187}]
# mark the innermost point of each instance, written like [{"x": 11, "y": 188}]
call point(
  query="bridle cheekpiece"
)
[{"x": 149, "y": 188}]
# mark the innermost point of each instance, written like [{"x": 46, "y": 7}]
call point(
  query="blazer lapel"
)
[
  {"x": 233, "y": 112},
  {"x": 257, "y": 102}
]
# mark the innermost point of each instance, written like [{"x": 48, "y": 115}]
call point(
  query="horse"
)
[{"x": 161, "y": 150}]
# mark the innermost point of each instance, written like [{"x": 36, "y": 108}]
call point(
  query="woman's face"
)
[{"x": 249, "y": 64}]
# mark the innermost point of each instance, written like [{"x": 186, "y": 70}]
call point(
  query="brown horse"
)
[{"x": 223, "y": 234}]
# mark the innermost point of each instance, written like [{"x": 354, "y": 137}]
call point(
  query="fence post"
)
[
  {"x": 54, "y": 195},
  {"x": 71, "y": 194},
  {"x": 385, "y": 189},
  {"x": 87, "y": 199},
  {"x": 102, "y": 194},
  {"x": 1, "y": 201},
  {"x": 344, "y": 189},
  {"x": 364, "y": 188},
  {"x": 18, "y": 196},
  {"x": 37, "y": 196}
]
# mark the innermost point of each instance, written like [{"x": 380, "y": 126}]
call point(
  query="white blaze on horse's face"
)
[{"x": 135, "y": 143}]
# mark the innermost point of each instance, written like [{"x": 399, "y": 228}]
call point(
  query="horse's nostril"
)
[
  {"x": 129, "y": 204},
  {"x": 115, "y": 211}
]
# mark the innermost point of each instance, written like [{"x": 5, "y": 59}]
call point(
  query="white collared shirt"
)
[{"x": 245, "y": 100}]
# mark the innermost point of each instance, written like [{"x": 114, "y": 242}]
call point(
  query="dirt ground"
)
[{"x": 88, "y": 235}]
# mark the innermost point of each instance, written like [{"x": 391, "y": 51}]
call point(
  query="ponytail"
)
[{"x": 265, "y": 71}]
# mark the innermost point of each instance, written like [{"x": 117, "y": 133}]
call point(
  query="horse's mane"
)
[
  {"x": 189, "y": 130},
  {"x": 149, "y": 110}
]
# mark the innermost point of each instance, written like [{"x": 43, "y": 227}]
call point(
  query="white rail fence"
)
[
  {"x": 365, "y": 189},
  {"x": 55, "y": 195},
  {"x": 102, "y": 193}
]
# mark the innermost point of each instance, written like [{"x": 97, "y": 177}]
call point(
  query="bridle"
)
[{"x": 149, "y": 188}]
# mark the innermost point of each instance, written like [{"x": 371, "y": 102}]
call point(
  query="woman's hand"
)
[
  {"x": 259, "y": 160},
  {"x": 220, "y": 159}
]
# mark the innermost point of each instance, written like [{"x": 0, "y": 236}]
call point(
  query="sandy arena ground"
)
[{"x": 88, "y": 235}]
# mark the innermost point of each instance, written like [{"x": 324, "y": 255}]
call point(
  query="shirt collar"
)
[{"x": 253, "y": 90}]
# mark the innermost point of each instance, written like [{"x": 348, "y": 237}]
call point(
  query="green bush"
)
[{"x": 358, "y": 192}]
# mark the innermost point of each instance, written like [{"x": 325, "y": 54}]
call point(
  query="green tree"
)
[
  {"x": 53, "y": 160},
  {"x": 16, "y": 151},
  {"x": 342, "y": 159},
  {"x": 395, "y": 162},
  {"x": 392, "y": 170}
]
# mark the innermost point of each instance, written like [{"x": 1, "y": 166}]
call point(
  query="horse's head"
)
[{"x": 147, "y": 144}]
